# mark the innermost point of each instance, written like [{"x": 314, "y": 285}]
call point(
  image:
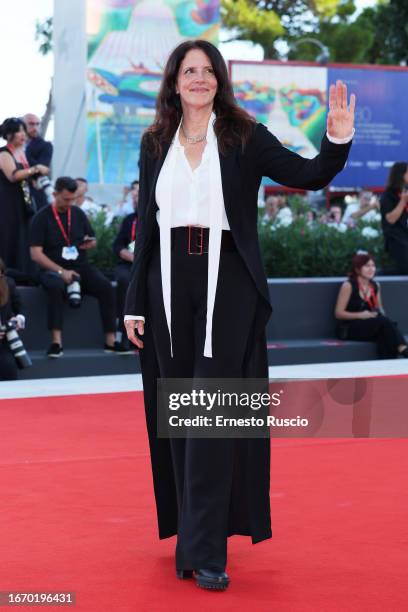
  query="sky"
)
[{"x": 26, "y": 76}]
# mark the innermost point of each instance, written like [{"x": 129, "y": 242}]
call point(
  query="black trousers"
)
[
  {"x": 399, "y": 253},
  {"x": 8, "y": 366},
  {"x": 93, "y": 283},
  {"x": 203, "y": 467},
  {"x": 122, "y": 277},
  {"x": 379, "y": 329}
]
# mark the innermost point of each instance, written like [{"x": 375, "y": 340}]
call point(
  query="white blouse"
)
[{"x": 191, "y": 188}]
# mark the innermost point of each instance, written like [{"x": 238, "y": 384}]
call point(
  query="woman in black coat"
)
[
  {"x": 10, "y": 309},
  {"x": 203, "y": 313}
]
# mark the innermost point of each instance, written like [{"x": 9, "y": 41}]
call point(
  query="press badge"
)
[
  {"x": 70, "y": 252},
  {"x": 131, "y": 247}
]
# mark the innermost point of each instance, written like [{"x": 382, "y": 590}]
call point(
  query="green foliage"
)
[
  {"x": 43, "y": 34},
  {"x": 390, "y": 23},
  {"x": 299, "y": 250},
  {"x": 294, "y": 251},
  {"x": 251, "y": 23},
  {"x": 102, "y": 256},
  {"x": 267, "y": 22},
  {"x": 377, "y": 35}
]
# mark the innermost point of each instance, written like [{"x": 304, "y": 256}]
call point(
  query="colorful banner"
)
[
  {"x": 292, "y": 100},
  {"x": 128, "y": 44}
]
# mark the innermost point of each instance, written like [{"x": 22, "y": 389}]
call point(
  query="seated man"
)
[
  {"x": 84, "y": 202},
  {"x": 60, "y": 235},
  {"x": 123, "y": 246}
]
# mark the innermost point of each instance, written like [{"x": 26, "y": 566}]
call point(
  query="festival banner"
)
[
  {"x": 291, "y": 100},
  {"x": 128, "y": 44}
]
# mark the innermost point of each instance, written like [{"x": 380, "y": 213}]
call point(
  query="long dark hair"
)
[
  {"x": 4, "y": 288},
  {"x": 395, "y": 180},
  {"x": 233, "y": 125},
  {"x": 357, "y": 262}
]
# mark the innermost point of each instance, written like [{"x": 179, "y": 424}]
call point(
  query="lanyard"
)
[
  {"x": 23, "y": 160},
  {"x": 372, "y": 299},
  {"x": 59, "y": 223},
  {"x": 133, "y": 231}
]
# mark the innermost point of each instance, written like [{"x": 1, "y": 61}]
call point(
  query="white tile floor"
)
[{"x": 128, "y": 382}]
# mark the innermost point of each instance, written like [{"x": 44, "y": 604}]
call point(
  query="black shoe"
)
[
  {"x": 55, "y": 350},
  {"x": 124, "y": 348},
  {"x": 184, "y": 573},
  {"x": 404, "y": 353},
  {"x": 118, "y": 348},
  {"x": 211, "y": 579}
]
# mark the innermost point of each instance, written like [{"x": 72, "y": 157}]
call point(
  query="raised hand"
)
[{"x": 340, "y": 118}]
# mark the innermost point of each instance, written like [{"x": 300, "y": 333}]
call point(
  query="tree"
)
[
  {"x": 249, "y": 23},
  {"x": 43, "y": 34},
  {"x": 267, "y": 22},
  {"x": 347, "y": 41},
  {"x": 390, "y": 24}
]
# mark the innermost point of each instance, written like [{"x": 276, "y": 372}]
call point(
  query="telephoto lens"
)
[
  {"x": 16, "y": 346},
  {"x": 43, "y": 183},
  {"x": 74, "y": 292}
]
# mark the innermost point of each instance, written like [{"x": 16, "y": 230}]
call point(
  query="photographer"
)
[
  {"x": 394, "y": 215},
  {"x": 123, "y": 247},
  {"x": 38, "y": 151},
  {"x": 15, "y": 199},
  {"x": 10, "y": 310},
  {"x": 59, "y": 238},
  {"x": 360, "y": 312}
]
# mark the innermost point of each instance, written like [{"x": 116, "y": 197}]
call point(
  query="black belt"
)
[{"x": 193, "y": 239}]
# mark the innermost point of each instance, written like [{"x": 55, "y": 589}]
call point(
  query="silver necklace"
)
[{"x": 193, "y": 139}]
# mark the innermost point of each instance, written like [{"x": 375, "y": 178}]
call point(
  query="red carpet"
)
[{"x": 77, "y": 514}]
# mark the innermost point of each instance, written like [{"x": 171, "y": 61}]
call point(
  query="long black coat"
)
[{"x": 241, "y": 173}]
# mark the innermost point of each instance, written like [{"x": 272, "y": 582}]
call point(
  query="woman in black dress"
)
[
  {"x": 360, "y": 312},
  {"x": 15, "y": 199}
]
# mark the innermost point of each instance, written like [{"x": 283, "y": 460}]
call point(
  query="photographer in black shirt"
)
[
  {"x": 394, "y": 215},
  {"x": 123, "y": 247},
  {"x": 60, "y": 236}
]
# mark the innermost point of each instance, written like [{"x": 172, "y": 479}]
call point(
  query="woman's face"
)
[
  {"x": 368, "y": 270},
  {"x": 406, "y": 177},
  {"x": 19, "y": 138},
  {"x": 196, "y": 82}
]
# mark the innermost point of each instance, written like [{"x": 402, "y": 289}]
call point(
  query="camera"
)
[
  {"x": 74, "y": 292},
  {"x": 16, "y": 345},
  {"x": 43, "y": 183}
]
